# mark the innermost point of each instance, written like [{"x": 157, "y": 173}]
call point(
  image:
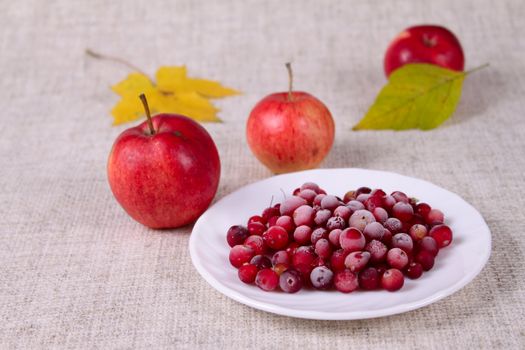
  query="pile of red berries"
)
[{"x": 366, "y": 240}]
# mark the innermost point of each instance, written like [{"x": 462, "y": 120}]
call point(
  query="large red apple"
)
[
  {"x": 290, "y": 131},
  {"x": 425, "y": 44},
  {"x": 165, "y": 171}
]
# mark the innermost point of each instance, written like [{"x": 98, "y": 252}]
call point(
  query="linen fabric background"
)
[{"x": 77, "y": 272}]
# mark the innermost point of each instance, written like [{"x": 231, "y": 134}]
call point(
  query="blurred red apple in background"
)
[
  {"x": 165, "y": 171},
  {"x": 290, "y": 131},
  {"x": 425, "y": 44}
]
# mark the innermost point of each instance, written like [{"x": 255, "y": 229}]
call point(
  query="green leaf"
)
[{"x": 417, "y": 96}]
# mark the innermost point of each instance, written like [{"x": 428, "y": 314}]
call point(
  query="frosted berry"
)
[
  {"x": 323, "y": 248},
  {"x": 369, "y": 278},
  {"x": 290, "y": 281},
  {"x": 417, "y": 232},
  {"x": 285, "y": 222},
  {"x": 361, "y": 218},
  {"x": 333, "y": 237},
  {"x": 302, "y": 234},
  {"x": 317, "y": 234},
  {"x": 321, "y": 277},
  {"x": 256, "y": 243},
  {"x": 414, "y": 270},
  {"x": 351, "y": 239},
  {"x": 374, "y": 230},
  {"x": 356, "y": 261},
  {"x": 335, "y": 222},
  {"x": 397, "y": 258},
  {"x": 429, "y": 244},
  {"x": 346, "y": 281},
  {"x": 304, "y": 215},
  {"x": 290, "y": 204},
  {"x": 403, "y": 241},
  {"x": 337, "y": 260},
  {"x": 426, "y": 259},
  {"x": 377, "y": 250},
  {"x": 280, "y": 257},
  {"x": 343, "y": 211}
]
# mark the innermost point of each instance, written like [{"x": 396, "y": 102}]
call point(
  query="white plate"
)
[{"x": 455, "y": 266}]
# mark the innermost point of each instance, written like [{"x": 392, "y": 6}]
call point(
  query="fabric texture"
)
[{"x": 77, "y": 272}]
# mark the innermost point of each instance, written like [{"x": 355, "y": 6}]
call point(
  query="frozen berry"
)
[
  {"x": 374, "y": 230},
  {"x": 392, "y": 280},
  {"x": 377, "y": 250},
  {"x": 397, "y": 258},
  {"x": 343, "y": 211},
  {"x": 393, "y": 225},
  {"x": 355, "y": 205},
  {"x": 308, "y": 195},
  {"x": 267, "y": 279},
  {"x": 323, "y": 248},
  {"x": 256, "y": 228},
  {"x": 247, "y": 273},
  {"x": 261, "y": 262},
  {"x": 426, "y": 259},
  {"x": 435, "y": 216},
  {"x": 429, "y": 244},
  {"x": 273, "y": 220},
  {"x": 304, "y": 215},
  {"x": 240, "y": 254},
  {"x": 403, "y": 241},
  {"x": 302, "y": 234},
  {"x": 414, "y": 270},
  {"x": 337, "y": 260},
  {"x": 417, "y": 232},
  {"x": 373, "y": 202},
  {"x": 276, "y": 237},
  {"x": 290, "y": 204},
  {"x": 322, "y": 216},
  {"x": 335, "y": 222},
  {"x": 380, "y": 214},
  {"x": 333, "y": 237},
  {"x": 442, "y": 234},
  {"x": 422, "y": 209},
  {"x": 361, "y": 218},
  {"x": 321, "y": 277},
  {"x": 303, "y": 255},
  {"x": 388, "y": 202},
  {"x": 356, "y": 261},
  {"x": 290, "y": 281},
  {"x": 351, "y": 239},
  {"x": 310, "y": 186},
  {"x": 378, "y": 193},
  {"x": 280, "y": 257},
  {"x": 285, "y": 222},
  {"x": 345, "y": 281},
  {"x": 318, "y": 199},
  {"x": 403, "y": 211},
  {"x": 330, "y": 202},
  {"x": 236, "y": 235},
  {"x": 349, "y": 195},
  {"x": 257, "y": 218},
  {"x": 270, "y": 212},
  {"x": 256, "y": 243},
  {"x": 369, "y": 278},
  {"x": 317, "y": 234},
  {"x": 400, "y": 196},
  {"x": 363, "y": 198}
]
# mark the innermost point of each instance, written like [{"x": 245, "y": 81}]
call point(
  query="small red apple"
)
[
  {"x": 290, "y": 131},
  {"x": 425, "y": 44},
  {"x": 165, "y": 171}
]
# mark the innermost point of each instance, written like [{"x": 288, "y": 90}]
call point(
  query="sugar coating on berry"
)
[
  {"x": 322, "y": 216},
  {"x": 345, "y": 281},
  {"x": 351, "y": 239},
  {"x": 304, "y": 215},
  {"x": 361, "y": 218},
  {"x": 374, "y": 230},
  {"x": 302, "y": 234},
  {"x": 290, "y": 204}
]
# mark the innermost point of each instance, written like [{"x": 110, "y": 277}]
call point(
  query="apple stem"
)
[
  {"x": 148, "y": 114},
  {"x": 290, "y": 81},
  {"x": 477, "y": 68},
  {"x": 131, "y": 66}
]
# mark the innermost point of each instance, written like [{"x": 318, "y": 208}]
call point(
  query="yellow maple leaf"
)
[{"x": 173, "y": 92}]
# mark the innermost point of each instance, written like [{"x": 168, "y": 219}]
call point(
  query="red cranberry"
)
[
  {"x": 257, "y": 218},
  {"x": 442, "y": 234},
  {"x": 261, "y": 262},
  {"x": 256, "y": 243},
  {"x": 302, "y": 234},
  {"x": 236, "y": 235},
  {"x": 414, "y": 270},
  {"x": 290, "y": 204},
  {"x": 247, "y": 273},
  {"x": 393, "y": 225},
  {"x": 335, "y": 222},
  {"x": 380, "y": 214},
  {"x": 374, "y": 230},
  {"x": 280, "y": 257},
  {"x": 392, "y": 280},
  {"x": 267, "y": 279},
  {"x": 403, "y": 211},
  {"x": 256, "y": 228},
  {"x": 397, "y": 258},
  {"x": 317, "y": 234},
  {"x": 351, "y": 239},
  {"x": 422, "y": 209},
  {"x": 240, "y": 254},
  {"x": 426, "y": 259},
  {"x": 429, "y": 244},
  {"x": 323, "y": 248},
  {"x": 417, "y": 232},
  {"x": 343, "y": 212},
  {"x": 276, "y": 237},
  {"x": 345, "y": 281},
  {"x": 270, "y": 212},
  {"x": 350, "y": 195},
  {"x": 333, "y": 237},
  {"x": 290, "y": 281},
  {"x": 369, "y": 278},
  {"x": 337, "y": 260},
  {"x": 321, "y": 277},
  {"x": 403, "y": 241},
  {"x": 304, "y": 255},
  {"x": 356, "y": 261},
  {"x": 400, "y": 196},
  {"x": 377, "y": 250},
  {"x": 435, "y": 216},
  {"x": 308, "y": 195}
]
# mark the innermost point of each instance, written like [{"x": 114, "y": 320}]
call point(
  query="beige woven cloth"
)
[{"x": 76, "y": 272}]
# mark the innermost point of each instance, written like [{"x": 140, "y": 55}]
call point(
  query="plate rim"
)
[{"x": 349, "y": 315}]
